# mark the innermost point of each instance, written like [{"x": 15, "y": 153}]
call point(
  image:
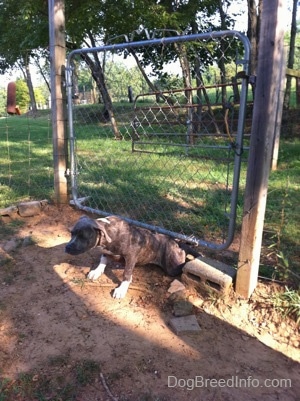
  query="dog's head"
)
[{"x": 87, "y": 234}]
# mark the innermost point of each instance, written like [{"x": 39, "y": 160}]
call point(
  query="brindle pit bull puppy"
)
[{"x": 136, "y": 245}]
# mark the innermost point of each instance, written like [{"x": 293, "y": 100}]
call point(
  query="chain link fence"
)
[{"x": 162, "y": 145}]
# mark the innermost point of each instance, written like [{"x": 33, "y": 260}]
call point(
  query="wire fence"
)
[
  {"x": 163, "y": 152},
  {"x": 26, "y": 161}
]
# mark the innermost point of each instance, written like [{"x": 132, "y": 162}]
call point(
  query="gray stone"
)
[
  {"x": 175, "y": 286},
  {"x": 185, "y": 324},
  {"x": 182, "y": 307},
  {"x": 12, "y": 245}
]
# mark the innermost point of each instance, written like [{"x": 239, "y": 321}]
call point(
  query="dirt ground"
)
[{"x": 51, "y": 317}]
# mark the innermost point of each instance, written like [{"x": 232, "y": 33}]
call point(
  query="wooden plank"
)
[
  {"x": 261, "y": 144},
  {"x": 293, "y": 73}
]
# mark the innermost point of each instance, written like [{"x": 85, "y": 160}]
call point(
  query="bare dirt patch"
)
[{"x": 54, "y": 323}]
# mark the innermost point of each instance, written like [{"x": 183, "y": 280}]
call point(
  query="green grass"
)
[
  {"x": 288, "y": 303},
  {"x": 26, "y": 167},
  {"x": 282, "y": 219}
]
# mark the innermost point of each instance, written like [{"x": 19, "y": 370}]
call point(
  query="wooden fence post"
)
[
  {"x": 261, "y": 144},
  {"x": 58, "y": 98}
]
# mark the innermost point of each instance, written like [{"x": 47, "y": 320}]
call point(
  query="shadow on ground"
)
[{"x": 56, "y": 325}]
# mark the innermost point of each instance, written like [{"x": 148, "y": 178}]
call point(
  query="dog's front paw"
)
[
  {"x": 95, "y": 274},
  {"x": 121, "y": 291}
]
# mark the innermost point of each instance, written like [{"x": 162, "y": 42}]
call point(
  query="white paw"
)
[
  {"x": 95, "y": 274},
  {"x": 121, "y": 291}
]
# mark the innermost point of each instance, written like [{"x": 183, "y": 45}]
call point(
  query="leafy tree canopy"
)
[{"x": 24, "y": 30}]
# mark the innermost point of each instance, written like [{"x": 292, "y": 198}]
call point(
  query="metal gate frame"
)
[{"x": 238, "y": 141}]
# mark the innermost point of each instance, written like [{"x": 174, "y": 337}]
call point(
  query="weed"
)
[
  {"x": 7, "y": 262},
  {"x": 86, "y": 372},
  {"x": 149, "y": 397},
  {"x": 9, "y": 229},
  {"x": 3, "y": 306},
  {"x": 65, "y": 384},
  {"x": 288, "y": 303},
  {"x": 59, "y": 360},
  {"x": 114, "y": 376},
  {"x": 79, "y": 281}
]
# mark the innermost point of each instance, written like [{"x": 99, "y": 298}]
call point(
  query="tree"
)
[
  {"x": 254, "y": 16},
  {"x": 291, "y": 56},
  {"x": 2, "y": 102},
  {"x": 22, "y": 95},
  {"x": 23, "y": 30}
]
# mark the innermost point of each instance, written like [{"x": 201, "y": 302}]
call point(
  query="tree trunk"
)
[
  {"x": 254, "y": 13},
  {"x": 30, "y": 88},
  {"x": 291, "y": 55},
  {"x": 221, "y": 59},
  {"x": 149, "y": 83},
  {"x": 145, "y": 76},
  {"x": 298, "y": 91},
  {"x": 201, "y": 89},
  {"x": 187, "y": 83},
  {"x": 41, "y": 71},
  {"x": 27, "y": 76},
  {"x": 99, "y": 78}
]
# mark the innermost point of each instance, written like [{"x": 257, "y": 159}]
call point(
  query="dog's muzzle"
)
[{"x": 72, "y": 250}]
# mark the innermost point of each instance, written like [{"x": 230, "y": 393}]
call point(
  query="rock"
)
[
  {"x": 27, "y": 241},
  {"x": 185, "y": 325},
  {"x": 296, "y": 344},
  {"x": 182, "y": 307},
  {"x": 178, "y": 295},
  {"x": 9, "y": 211},
  {"x": 11, "y": 245},
  {"x": 175, "y": 286}
]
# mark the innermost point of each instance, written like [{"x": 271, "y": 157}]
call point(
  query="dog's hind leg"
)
[{"x": 96, "y": 273}]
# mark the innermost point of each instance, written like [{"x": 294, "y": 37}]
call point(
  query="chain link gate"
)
[{"x": 166, "y": 154}]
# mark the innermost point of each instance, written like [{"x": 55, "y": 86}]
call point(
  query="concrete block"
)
[
  {"x": 206, "y": 275},
  {"x": 185, "y": 324}
]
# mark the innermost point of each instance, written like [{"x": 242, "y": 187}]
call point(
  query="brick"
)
[{"x": 206, "y": 275}]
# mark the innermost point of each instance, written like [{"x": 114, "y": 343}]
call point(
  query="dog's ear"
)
[{"x": 101, "y": 226}]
